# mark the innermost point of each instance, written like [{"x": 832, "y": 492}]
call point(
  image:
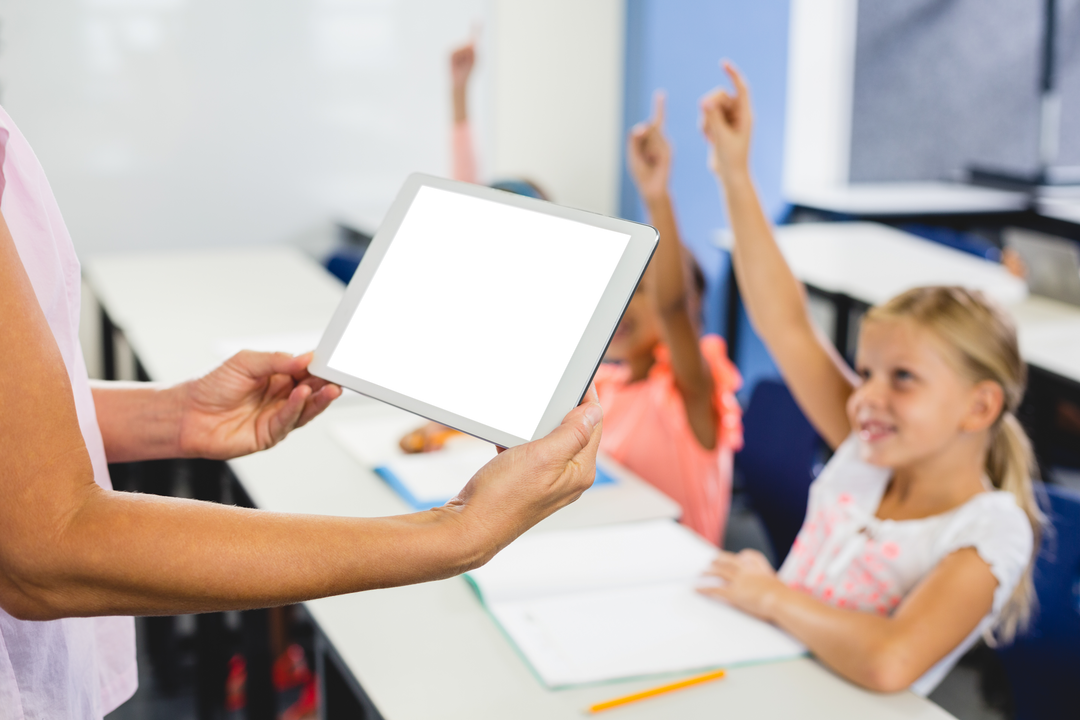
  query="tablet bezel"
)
[{"x": 590, "y": 348}]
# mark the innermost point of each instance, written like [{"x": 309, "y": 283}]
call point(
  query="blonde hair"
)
[{"x": 983, "y": 337}]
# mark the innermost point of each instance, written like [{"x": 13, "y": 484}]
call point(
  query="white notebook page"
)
[{"x": 620, "y": 601}]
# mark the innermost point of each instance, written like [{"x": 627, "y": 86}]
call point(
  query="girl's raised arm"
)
[
  {"x": 649, "y": 157},
  {"x": 775, "y": 300}
]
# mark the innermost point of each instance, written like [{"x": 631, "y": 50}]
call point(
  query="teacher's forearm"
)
[
  {"x": 138, "y": 421},
  {"x": 126, "y": 554}
]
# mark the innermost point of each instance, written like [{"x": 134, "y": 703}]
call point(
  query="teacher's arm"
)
[{"x": 68, "y": 547}]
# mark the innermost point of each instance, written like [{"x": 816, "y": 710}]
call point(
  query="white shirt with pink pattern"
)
[{"x": 847, "y": 557}]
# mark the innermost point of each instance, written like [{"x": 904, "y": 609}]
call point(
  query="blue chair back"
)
[
  {"x": 778, "y": 462},
  {"x": 1044, "y": 664}
]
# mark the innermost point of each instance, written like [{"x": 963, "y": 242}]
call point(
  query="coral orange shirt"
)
[{"x": 647, "y": 431}]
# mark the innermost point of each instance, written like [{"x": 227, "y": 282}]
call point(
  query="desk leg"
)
[
  {"x": 108, "y": 347},
  {"x": 842, "y": 328},
  {"x": 255, "y": 633},
  {"x": 211, "y": 651},
  {"x": 156, "y": 477},
  {"x": 261, "y": 697},
  {"x": 340, "y": 696},
  {"x": 731, "y": 322}
]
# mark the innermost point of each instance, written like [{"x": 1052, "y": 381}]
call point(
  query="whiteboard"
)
[{"x": 194, "y": 123}]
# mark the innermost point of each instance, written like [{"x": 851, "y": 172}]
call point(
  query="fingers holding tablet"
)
[{"x": 526, "y": 483}]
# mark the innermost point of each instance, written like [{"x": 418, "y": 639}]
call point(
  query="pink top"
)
[
  {"x": 849, "y": 558},
  {"x": 76, "y": 667},
  {"x": 646, "y": 429}
]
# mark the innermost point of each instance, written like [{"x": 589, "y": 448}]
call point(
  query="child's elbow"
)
[{"x": 888, "y": 670}]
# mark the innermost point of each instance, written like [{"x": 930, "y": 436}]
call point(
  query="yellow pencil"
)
[{"x": 644, "y": 694}]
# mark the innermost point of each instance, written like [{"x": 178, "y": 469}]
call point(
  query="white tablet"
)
[{"x": 483, "y": 310}]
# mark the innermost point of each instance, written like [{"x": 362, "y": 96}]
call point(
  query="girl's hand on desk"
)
[
  {"x": 748, "y": 582},
  {"x": 249, "y": 403},
  {"x": 525, "y": 484}
]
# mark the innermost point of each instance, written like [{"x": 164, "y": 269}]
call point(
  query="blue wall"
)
[{"x": 676, "y": 45}]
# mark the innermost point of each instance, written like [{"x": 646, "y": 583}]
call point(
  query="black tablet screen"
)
[{"x": 477, "y": 307}]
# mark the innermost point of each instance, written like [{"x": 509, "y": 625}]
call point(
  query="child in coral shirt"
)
[{"x": 669, "y": 395}]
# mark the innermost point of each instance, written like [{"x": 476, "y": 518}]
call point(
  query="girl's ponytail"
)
[
  {"x": 984, "y": 340},
  {"x": 1010, "y": 464}
]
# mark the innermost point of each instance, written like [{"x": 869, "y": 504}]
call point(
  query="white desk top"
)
[
  {"x": 343, "y": 486},
  {"x": 177, "y": 308},
  {"x": 426, "y": 650},
  {"x": 455, "y": 664},
  {"x": 1050, "y": 335},
  {"x": 1061, "y": 208},
  {"x": 872, "y": 263},
  {"x": 910, "y": 198}
]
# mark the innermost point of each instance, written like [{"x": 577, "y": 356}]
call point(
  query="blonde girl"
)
[{"x": 919, "y": 533}]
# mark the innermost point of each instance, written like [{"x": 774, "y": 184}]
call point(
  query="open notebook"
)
[{"x": 617, "y": 602}]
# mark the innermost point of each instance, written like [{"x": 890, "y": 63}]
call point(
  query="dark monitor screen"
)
[{"x": 477, "y": 308}]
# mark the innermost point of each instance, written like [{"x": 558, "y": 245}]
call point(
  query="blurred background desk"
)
[{"x": 427, "y": 650}]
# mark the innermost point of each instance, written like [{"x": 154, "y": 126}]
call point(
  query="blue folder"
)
[{"x": 602, "y": 478}]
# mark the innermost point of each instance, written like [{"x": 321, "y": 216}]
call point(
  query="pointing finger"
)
[
  {"x": 659, "y": 98},
  {"x": 742, "y": 91}
]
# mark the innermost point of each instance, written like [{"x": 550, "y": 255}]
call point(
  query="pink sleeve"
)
[
  {"x": 464, "y": 156},
  {"x": 726, "y": 381}
]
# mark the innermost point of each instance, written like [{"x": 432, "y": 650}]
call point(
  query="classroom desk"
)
[
  {"x": 861, "y": 263},
  {"x": 175, "y": 307},
  {"x": 871, "y": 262},
  {"x": 426, "y": 650},
  {"x": 1049, "y": 333},
  {"x": 894, "y": 199},
  {"x": 432, "y": 651}
]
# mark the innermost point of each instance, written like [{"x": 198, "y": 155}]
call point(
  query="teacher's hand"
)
[
  {"x": 525, "y": 484},
  {"x": 250, "y": 403}
]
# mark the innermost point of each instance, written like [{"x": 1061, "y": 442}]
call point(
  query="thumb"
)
[
  {"x": 262, "y": 364},
  {"x": 577, "y": 435},
  {"x": 287, "y": 417}
]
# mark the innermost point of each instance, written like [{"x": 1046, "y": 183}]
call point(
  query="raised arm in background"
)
[
  {"x": 68, "y": 547},
  {"x": 462, "y": 61},
  {"x": 649, "y": 157},
  {"x": 775, "y": 300}
]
